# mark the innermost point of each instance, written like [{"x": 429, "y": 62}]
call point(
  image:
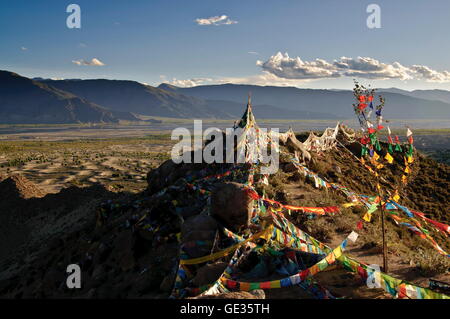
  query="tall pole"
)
[{"x": 383, "y": 227}]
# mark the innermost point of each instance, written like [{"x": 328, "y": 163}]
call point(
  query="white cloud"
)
[
  {"x": 23, "y": 48},
  {"x": 282, "y": 70},
  {"x": 285, "y": 67},
  {"x": 253, "y": 52},
  {"x": 217, "y": 20},
  {"x": 93, "y": 62},
  {"x": 370, "y": 68},
  {"x": 430, "y": 75},
  {"x": 189, "y": 82},
  {"x": 265, "y": 78}
]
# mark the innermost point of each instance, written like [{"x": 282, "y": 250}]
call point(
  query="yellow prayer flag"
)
[
  {"x": 396, "y": 196},
  {"x": 337, "y": 252},
  {"x": 275, "y": 284},
  {"x": 367, "y": 217},
  {"x": 347, "y": 205},
  {"x": 330, "y": 259},
  {"x": 389, "y": 158},
  {"x": 314, "y": 269},
  {"x": 404, "y": 179},
  {"x": 407, "y": 170},
  {"x": 410, "y": 159},
  {"x": 376, "y": 156}
]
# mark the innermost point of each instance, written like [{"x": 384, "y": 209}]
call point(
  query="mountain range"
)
[
  {"x": 424, "y": 104},
  {"x": 24, "y": 100}
]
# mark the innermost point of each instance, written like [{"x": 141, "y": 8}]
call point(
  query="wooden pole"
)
[{"x": 383, "y": 228}]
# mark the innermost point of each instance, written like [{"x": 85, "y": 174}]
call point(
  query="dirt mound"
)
[
  {"x": 129, "y": 247},
  {"x": 18, "y": 186}
]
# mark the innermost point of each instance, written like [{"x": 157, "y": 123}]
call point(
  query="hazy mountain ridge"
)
[
  {"x": 23, "y": 100},
  {"x": 167, "y": 101},
  {"x": 135, "y": 97},
  {"x": 436, "y": 95},
  {"x": 335, "y": 102}
]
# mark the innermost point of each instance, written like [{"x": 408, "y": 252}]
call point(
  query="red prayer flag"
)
[
  {"x": 265, "y": 285},
  {"x": 304, "y": 274},
  {"x": 362, "y": 272},
  {"x": 362, "y": 106}
]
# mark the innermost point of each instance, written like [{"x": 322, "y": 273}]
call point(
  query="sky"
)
[{"x": 303, "y": 43}]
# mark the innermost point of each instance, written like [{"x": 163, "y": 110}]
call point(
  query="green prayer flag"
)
[
  {"x": 390, "y": 150},
  {"x": 410, "y": 151},
  {"x": 363, "y": 151},
  {"x": 372, "y": 208},
  {"x": 377, "y": 146}
]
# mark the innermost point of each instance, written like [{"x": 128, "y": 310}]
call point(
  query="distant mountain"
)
[
  {"x": 23, "y": 100},
  {"x": 167, "y": 101},
  {"x": 337, "y": 103},
  {"x": 234, "y": 110},
  {"x": 434, "y": 95},
  {"x": 136, "y": 97}
]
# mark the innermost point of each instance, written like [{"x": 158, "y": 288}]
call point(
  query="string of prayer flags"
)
[
  {"x": 263, "y": 234},
  {"x": 418, "y": 230},
  {"x": 439, "y": 226},
  {"x": 389, "y": 284},
  {"x": 294, "y": 279},
  {"x": 314, "y": 210},
  {"x": 395, "y": 287}
]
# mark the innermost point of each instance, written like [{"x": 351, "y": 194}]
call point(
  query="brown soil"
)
[{"x": 43, "y": 234}]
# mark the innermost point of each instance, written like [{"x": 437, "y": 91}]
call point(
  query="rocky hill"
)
[
  {"x": 128, "y": 245},
  {"x": 26, "y": 101}
]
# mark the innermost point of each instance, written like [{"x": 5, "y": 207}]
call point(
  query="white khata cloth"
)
[{"x": 322, "y": 143}]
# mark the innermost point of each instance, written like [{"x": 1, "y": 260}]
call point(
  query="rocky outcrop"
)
[{"x": 231, "y": 205}]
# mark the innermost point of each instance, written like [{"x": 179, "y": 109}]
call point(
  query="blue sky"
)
[{"x": 154, "y": 41}]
